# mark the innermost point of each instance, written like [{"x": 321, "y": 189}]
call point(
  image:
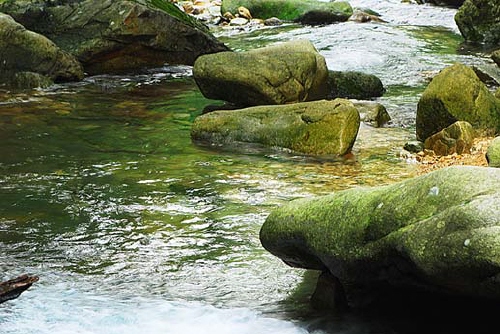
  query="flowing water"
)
[{"x": 133, "y": 228}]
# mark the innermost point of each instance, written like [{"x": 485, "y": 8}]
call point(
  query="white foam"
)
[{"x": 77, "y": 312}]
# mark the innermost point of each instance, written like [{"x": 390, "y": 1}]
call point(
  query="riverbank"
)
[{"x": 477, "y": 157}]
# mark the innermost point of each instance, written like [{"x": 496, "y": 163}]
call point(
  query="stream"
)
[{"x": 133, "y": 228}]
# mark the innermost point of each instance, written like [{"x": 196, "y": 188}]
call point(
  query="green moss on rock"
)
[
  {"x": 439, "y": 231},
  {"x": 478, "y": 21},
  {"x": 283, "y": 73},
  {"x": 456, "y": 94},
  {"x": 174, "y": 11},
  {"x": 315, "y": 128},
  {"x": 289, "y": 10}
]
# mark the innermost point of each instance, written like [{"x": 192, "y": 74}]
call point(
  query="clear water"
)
[{"x": 131, "y": 227}]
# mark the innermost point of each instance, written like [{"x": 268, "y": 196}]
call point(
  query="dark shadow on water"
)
[
  {"x": 403, "y": 312},
  {"x": 275, "y": 153}
]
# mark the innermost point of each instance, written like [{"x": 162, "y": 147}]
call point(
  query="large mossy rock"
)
[
  {"x": 307, "y": 12},
  {"x": 479, "y": 21},
  {"x": 117, "y": 36},
  {"x": 283, "y": 73},
  {"x": 28, "y": 59},
  {"x": 439, "y": 232},
  {"x": 456, "y": 94},
  {"x": 326, "y": 128}
]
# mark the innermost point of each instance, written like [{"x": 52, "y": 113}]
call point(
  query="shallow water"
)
[{"x": 132, "y": 227}]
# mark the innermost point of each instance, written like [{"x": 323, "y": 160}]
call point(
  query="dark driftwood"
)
[{"x": 13, "y": 288}]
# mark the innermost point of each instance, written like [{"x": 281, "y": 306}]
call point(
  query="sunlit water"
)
[{"x": 133, "y": 228}]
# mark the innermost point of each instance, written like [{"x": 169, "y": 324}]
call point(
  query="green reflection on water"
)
[
  {"x": 439, "y": 40},
  {"x": 103, "y": 180}
]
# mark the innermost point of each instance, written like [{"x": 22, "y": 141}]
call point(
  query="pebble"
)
[
  {"x": 210, "y": 12},
  {"x": 238, "y": 21}
]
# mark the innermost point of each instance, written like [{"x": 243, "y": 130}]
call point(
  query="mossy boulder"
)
[
  {"x": 354, "y": 85},
  {"x": 496, "y": 57},
  {"x": 117, "y": 36},
  {"x": 28, "y": 80},
  {"x": 493, "y": 153},
  {"x": 283, "y": 73},
  {"x": 439, "y": 232},
  {"x": 456, "y": 94},
  {"x": 29, "y": 60},
  {"x": 320, "y": 128},
  {"x": 457, "y": 138},
  {"x": 479, "y": 21},
  {"x": 307, "y": 12}
]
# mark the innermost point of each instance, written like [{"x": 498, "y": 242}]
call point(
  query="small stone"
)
[
  {"x": 273, "y": 21},
  {"x": 244, "y": 12},
  {"x": 238, "y": 21},
  {"x": 414, "y": 146},
  {"x": 188, "y": 7},
  {"x": 256, "y": 22},
  {"x": 228, "y": 16}
]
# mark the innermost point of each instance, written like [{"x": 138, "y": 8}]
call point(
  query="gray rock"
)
[
  {"x": 372, "y": 113},
  {"x": 273, "y": 21},
  {"x": 320, "y": 128},
  {"x": 283, "y": 73},
  {"x": 439, "y": 232},
  {"x": 363, "y": 17},
  {"x": 488, "y": 74},
  {"x": 110, "y": 36}
]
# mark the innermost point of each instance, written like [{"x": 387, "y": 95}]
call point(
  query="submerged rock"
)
[
  {"x": 372, "y": 113},
  {"x": 439, "y": 232},
  {"x": 117, "y": 36},
  {"x": 326, "y": 128},
  {"x": 363, "y": 17},
  {"x": 29, "y": 60},
  {"x": 354, "y": 85},
  {"x": 452, "y": 3},
  {"x": 283, "y": 73},
  {"x": 456, "y": 94}
]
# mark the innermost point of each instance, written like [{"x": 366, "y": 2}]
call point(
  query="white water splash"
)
[{"x": 85, "y": 313}]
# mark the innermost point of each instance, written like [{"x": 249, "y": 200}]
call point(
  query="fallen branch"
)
[{"x": 13, "y": 288}]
